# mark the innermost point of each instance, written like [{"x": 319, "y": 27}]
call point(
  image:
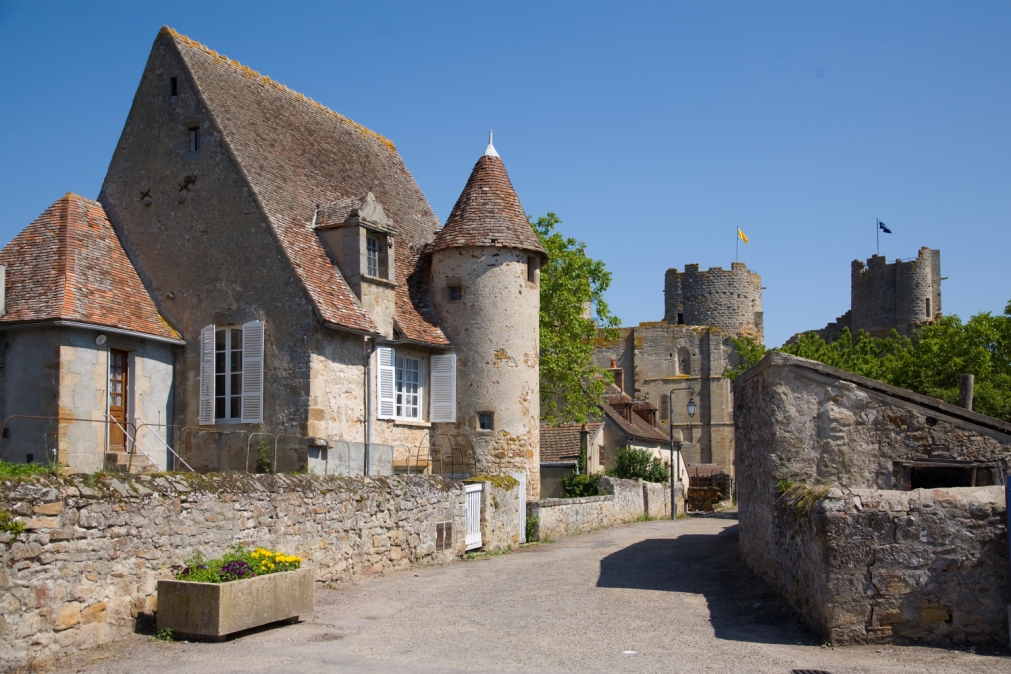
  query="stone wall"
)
[
  {"x": 868, "y": 565},
  {"x": 898, "y": 295},
  {"x": 802, "y": 422},
  {"x": 730, "y": 301},
  {"x": 623, "y": 501},
  {"x": 500, "y": 512},
  {"x": 87, "y": 569}
]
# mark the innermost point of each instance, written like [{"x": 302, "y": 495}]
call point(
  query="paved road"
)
[{"x": 651, "y": 597}]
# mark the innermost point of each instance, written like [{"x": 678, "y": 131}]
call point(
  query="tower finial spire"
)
[{"x": 490, "y": 150}]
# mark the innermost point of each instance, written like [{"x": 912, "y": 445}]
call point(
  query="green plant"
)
[
  {"x": 236, "y": 564},
  {"x": 165, "y": 635},
  {"x": 783, "y": 486},
  {"x": 533, "y": 523},
  {"x": 573, "y": 309},
  {"x": 263, "y": 464},
  {"x": 8, "y": 469},
  {"x": 581, "y": 485},
  {"x": 631, "y": 464},
  {"x": 10, "y": 524}
]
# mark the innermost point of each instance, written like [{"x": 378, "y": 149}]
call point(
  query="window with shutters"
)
[
  {"x": 228, "y": 374},
  {"x": 408, "y": 376},
  {"x": 231, "y": 374}
]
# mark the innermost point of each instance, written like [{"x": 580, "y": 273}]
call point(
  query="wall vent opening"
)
[{"x": 946, "y": 474}]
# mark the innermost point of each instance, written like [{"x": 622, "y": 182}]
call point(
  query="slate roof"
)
[
  {"x": 296, "y": 154},
  {"x": 69, "y": 265},
  {"x": 488, "y": 213},
  {"x": 561, "y": 443}
]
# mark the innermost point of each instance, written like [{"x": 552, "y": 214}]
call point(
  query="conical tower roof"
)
[{"x": 488, "y": 212}]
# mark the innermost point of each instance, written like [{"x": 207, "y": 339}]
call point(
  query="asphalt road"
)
[{"x": 652, "y": 597}]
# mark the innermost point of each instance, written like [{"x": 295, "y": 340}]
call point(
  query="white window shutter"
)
[
  {"x": 385, "y": 383},
  {"x": 442, "y": 389},
  {"x": 206, "y": 410},
  {"x": 252, "y": 372}
]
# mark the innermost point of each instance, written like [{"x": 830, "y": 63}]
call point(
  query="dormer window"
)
[{"x": 372, "y": 255}]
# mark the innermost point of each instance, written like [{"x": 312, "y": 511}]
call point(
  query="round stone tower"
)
[
  {"x": 728, "y": 300},
  {"x": 485, "y": 284}
]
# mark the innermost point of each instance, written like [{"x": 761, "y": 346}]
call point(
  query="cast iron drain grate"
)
[{"x": 809, "y": 671}]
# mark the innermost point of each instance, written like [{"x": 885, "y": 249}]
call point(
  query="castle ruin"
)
[{"x": 687, "y": 354}]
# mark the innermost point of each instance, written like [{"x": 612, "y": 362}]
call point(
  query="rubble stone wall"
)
[
  {"x": 622, "y": 502},
  {"x": 87, "y": 568},
  {"x": 868, "y": 565}
]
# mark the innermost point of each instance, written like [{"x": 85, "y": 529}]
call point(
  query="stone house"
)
[
  {"x": 879, "y": 513},
  {"x": 316, "y": 299},
  {"x": 560, "y": 449},
  {"x": 687, "y": 354},
  {"x": 80, "y": 336}
]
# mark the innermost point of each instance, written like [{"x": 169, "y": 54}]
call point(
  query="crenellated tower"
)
[{"x": 730, "y": 301}]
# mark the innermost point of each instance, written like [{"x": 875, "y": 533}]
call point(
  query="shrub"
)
[
  {"x": 581, "y": 485},
  {"x": 532, "y": 524},
  {"x": 632, "y": 464},
  {"x": 237, "y": 564}
]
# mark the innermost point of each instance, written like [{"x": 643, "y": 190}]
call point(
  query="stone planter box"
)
[{"x": 214, "y": 610}]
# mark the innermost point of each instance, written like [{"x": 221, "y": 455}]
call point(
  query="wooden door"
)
[{"x": 119, "y": 378}]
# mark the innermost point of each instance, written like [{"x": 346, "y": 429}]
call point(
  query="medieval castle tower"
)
[
  {"x": 730, "y": 301},
  {"x": 486, "y": 290}
]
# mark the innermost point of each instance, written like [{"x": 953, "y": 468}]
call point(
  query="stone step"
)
[{"x": 119, "y": 461}]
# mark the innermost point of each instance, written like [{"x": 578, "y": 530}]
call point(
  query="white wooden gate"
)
[
  {"x": 473, "y": 516},
  {"x": 522, "y": 478}
]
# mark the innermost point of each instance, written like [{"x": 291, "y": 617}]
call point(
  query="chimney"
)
[
  {"x": 3, "y": 290},
  {"x": 619, "y": 374}
]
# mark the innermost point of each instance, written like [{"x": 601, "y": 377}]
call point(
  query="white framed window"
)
[
  {"x": 372, "y": 255},
  {"x": 409, "y": 387},
  {"x": 227, "y": 374},
  {"x": 401, "y": 382},
  {"x": 231, "y": 374}
]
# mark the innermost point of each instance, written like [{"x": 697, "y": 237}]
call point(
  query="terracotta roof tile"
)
[
  {"x": 637, "y": 427},
  {"x": 561, "y": 443},
  {"x": 297, "y": 154},
  {"x": 488, "y": 213},
  {"x": 69, "y": 265}
]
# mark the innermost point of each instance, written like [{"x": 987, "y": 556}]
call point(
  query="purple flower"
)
[{"x": 235, "y": 570}]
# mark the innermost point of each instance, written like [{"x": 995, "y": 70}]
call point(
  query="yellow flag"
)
[{"x": 741, "y": 234}]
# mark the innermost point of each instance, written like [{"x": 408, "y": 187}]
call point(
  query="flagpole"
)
[
  {"x": 737, "y": 254},
  {"x": 877, "y": 233}
]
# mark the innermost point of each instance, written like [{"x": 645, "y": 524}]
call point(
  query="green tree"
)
[
  {"x": 570, "y": 282},
  {"x": 929, "y": 362}
]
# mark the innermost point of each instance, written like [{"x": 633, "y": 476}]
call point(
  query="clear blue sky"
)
[{"x": 653, "y": 129}]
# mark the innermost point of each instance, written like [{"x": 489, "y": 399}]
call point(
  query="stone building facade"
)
[
  {"x": 318, "y": 304},
  {"x": 885, "y": 297},
  {"x": 687, "y": 354},
  {"x": 877, "y": 512}
]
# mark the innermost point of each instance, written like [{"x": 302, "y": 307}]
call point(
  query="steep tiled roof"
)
[
  {"x": 637, "y": 427},
  {"x": 296, "y": 154},
  {"x": 561, "y": 443},
  {"x": 69, "y": 265},
  {"x": 488, "y": 213}
]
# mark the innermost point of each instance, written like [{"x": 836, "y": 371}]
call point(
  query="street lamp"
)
[{"x": 692, "y": 408}]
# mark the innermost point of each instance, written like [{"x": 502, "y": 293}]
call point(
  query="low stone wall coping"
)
[{"x": 554, "y": 502}]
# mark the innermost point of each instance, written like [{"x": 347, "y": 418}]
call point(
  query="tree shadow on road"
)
[{"x": 742, "y": 607}]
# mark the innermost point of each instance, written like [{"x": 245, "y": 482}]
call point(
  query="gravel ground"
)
[{"x": 652, "y": 597}]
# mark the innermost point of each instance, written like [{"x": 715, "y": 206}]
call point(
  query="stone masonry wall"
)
[
  {"x": 500, "y": 513},
  {"x": 623, "y": 502},
  {"x": 728, "y": 300},
  {"x": 87, "y": 568},
  {"x": 885, "y": 296},
  {"x": 866, "y": 565}
]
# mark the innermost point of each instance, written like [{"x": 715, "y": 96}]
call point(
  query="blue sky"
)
[{"x": 654, "y": 130}]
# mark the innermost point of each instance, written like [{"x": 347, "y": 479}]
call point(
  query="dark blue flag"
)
[{"x": 882, "y": 227}]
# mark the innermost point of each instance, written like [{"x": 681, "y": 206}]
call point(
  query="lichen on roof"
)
[{"x": 249, "y": 73}]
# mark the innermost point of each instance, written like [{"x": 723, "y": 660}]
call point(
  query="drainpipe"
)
[{"x": 368, "y": 405}]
